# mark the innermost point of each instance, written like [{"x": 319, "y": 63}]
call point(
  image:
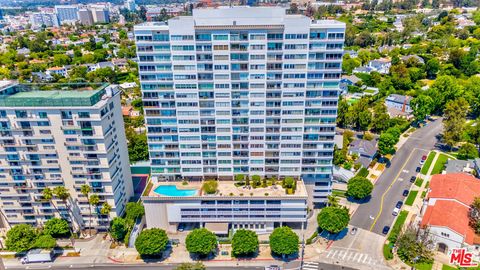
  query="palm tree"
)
[
  {"x": 332, "y": 200},
  {"x": 47, "y": 194},
  {"x": 94, "y": 200},
  {"x": 106, "y": 208},
  {"x": 85, "y": 190},
  {"x": 63, "y": 194}
]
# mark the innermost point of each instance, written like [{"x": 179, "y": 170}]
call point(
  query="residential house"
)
[
  {"x": 470, "y": 166},
  {"x": 98, "y": 65},
  {"x": 413, "y": 57},
  {"x": 41, "y": 77},
  {"x": 130, "y": 111},
  {"x": 352, "y": 53},
  {"x": 128, "y": 85},
  {"x": 366, "y": 151},
  {"x": 399, "y": 106},
  {"x": 348, "y": 80},
  {"x": 62, "y": 71},
  {"x": 445, "y": 211},
  {"x": 381, "y": 65}
]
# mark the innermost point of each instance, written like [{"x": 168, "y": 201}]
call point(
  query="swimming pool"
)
[{"x": 172, "y": 190}]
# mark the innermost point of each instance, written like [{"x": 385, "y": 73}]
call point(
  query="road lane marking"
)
[
  {"x": 388, "y": 189},
  {"x": 366, "y": 257}
]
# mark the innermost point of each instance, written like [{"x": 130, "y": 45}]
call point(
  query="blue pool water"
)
[{"x": 172, "y": 190}]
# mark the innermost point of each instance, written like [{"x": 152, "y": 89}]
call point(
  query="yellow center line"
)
[{"x": 386, "y": 191}]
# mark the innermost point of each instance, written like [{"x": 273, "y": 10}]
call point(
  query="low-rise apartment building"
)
[{"x": 171, "y": 206}]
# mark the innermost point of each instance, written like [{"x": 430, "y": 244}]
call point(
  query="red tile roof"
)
[
  {"x": 452, "y": 215},
  {"x": 453, "y": 194},
  {"x": 458, "y": 186}
]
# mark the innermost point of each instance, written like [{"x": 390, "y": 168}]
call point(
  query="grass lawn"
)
[
  {"x": 428, "y": 162},
  {"x": 339, "y": 193},
  {"x": 448, "y": 267},
  {"x": 439, "y": 164},
  {"x": 387, "y": 252},
  {"x": 423, "y": 266},
  {"x": 424, "y": 193},
  {"x": 411, "y": 197},
  {"x": 419, "y": 182}
]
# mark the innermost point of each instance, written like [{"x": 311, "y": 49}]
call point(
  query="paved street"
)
[{"x": 376, "y": 213}]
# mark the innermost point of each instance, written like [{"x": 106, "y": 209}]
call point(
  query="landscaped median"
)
[
  {"x": 393, "y": 235},
  {"x": 439, "y": 164},
  {"x": 411, "y": 197},
  {"x": 428, "y": 162}
]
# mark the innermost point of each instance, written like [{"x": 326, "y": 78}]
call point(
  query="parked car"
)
[
  {"x": 399, "y": 204},
  {"x": 396, "y": 211},
  {"x": 405, "y": 192},
  {"x": 386, "y": 229},
  {"x": 273, "y": 267},
  {"x": 424, "y": 158},
  {"x": 418, "y": 169},
  {"x": 412, "y": 179}
]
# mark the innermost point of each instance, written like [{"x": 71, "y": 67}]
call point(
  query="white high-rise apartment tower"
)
[
  {"x": 68, "y": 138},
  {"x": 241, "y": 91}
]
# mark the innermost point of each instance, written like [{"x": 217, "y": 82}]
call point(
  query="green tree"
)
[
  {"x": 284, "y": 241},
  {"x": 415, "y": 245},
  {"x": 56, "y": 228},
  {"x": 21, "y": 238},
  {"x": 432, "y": 67},
  {"x": 85, "y": 190},
  {"x": 210, "y": 186},
  {"x": 60, "y": 60},
  {"x": 105, "y": 210},
  {"x": 333, "y": 219},
  {"x": 137, "y": 145},
  {"x": 386, "y": 143},
  {"x": 349, "y": 64},
  {"x": 45, "y": 241},
  {"x": 201, "y": 242},
  {"x": 364, "y": 118},
  {"x": 445, "y": 88},
  {"x": 380, "y": 117},
  {"x": 191, "y": 266},
  {"x": 105, "y": 74},
  {"x": 467, "y": 151},
  {"x": 422, "y": 106},
  {"x": 151, "y": 242},
  {"x": 134, "y": 211},
  {"x": 244, "y": 243},
  {"x": 63, "y": 194},
  {"x": 118, "y": 228},
  {"x": 359, "y": 187},
  {"x": 93, "y": 201},
  {"x": 454, "y": 120}
]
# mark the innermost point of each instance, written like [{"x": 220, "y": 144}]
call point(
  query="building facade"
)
[
  {"x": 66, "y": 13},
  {"x": 42, "y": 19},
  {"x": 67, "y": 138},
  {"x": 100, "y": 15},
  {"x": 230, "y": 208},
  {"x": 85, "y": 16},
  {"x": 241, "y": 91}
]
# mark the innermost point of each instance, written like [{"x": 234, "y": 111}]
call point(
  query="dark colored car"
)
[
  {"x": 412, "y": 179},
  {"x": 405, "y": 192},
  {"x": 399, "y": 204},
  {"x": 385, "y": 229},
  {"x": 418, "y": 169}
]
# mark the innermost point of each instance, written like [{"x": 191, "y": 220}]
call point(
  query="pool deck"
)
[{"x": 228, "y": 188}]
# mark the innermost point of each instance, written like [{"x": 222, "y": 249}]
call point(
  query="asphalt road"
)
[
  {"x": 290, "y": 266},
  {"x": 377, "y": 212}
]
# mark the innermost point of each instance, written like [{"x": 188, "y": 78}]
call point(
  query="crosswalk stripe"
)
[
  {"x": 329, "y": 253},
  {"x": 310, "y": 267},
  {"x": 355, "y": 257},
  {"x": 366, "y": 257},
  {"x": 360, "y": 257},
  {"x": 350, "y": 255},
  {"x": 344, "y": 255},
  {"x": 369, "y": 260}
]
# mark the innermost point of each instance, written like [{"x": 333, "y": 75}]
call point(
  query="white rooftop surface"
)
[{"x": 242, "y": 16}]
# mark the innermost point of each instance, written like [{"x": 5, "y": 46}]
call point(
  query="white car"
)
[{"x": 396, "y": 211}]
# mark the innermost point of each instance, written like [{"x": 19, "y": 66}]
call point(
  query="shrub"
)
[
  {"x": 256, "y": 180},
  {"x": 118, "y": 228},
  {"x": 239, "y": 177},
  {"x": 45, "y": 241},
  {"x": 363, "y": 172},
  {"x": 56, "y": 228},
  {"x": 210, "y": 186},
  {"x": 289, "y": 182}
]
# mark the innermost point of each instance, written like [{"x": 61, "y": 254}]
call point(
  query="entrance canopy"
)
[{"x": 217, "y": 228}]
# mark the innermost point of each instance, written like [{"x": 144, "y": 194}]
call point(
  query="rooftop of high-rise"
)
[
  {"x": 13, "y": 94},
  {"x": 245, "y": 16}
]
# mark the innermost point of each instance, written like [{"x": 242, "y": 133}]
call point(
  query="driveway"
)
[{"x": 377, "y": 212}]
